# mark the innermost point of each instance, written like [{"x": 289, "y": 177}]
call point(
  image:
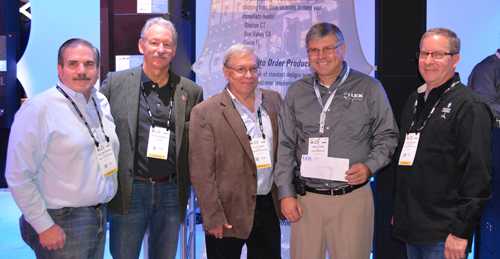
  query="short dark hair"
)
[
  {"x": 73, "y": 42},
  {"x": 320, "y": 30}
]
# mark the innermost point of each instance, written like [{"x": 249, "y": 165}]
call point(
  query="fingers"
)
[
  {"x": 357, "y": 174},
  {"x": 454, "y": 247},
  {"x": 290, "y": 209},
  {"x": 218, "y": 232},
  {"x": 52, "y": 238}
]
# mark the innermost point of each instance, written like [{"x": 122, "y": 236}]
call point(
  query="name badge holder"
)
[
  {"x": 412, "y": 138},
  {"x": 159, "y": 137},
  {"x": 105, "y": 154}
]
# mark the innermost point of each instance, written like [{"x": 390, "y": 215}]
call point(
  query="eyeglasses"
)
[
  {"x": 434, "y": 55},
  {"x": 243, "y": 70},
  {"x": 315, "y": 52},
  {"x": 156, "y": 44}
]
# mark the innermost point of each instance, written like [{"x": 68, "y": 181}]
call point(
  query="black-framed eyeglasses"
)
[
  {"x": 434, "y": 54},
  {"x": 329, "y": 51},
  {"x": 244, "y": 70}
]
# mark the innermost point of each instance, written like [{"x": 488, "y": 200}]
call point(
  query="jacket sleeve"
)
[
  {"x": 384, "y": 130},
  {"x": 202, "y": 160},
  {"x": 105, "y": 86},
  {"x": 474, "y": 126}
]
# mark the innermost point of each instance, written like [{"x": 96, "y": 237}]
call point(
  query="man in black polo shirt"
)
[{"x": 151, "y": 106}]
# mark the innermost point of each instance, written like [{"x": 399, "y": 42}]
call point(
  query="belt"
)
[
  {"x": 334, "y": 191},
  {"x": 163, "y": 179},
  {"x": 97, "y": 206}
]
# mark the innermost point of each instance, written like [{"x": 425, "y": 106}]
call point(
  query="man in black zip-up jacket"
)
[{"x": 443, "y": 159}]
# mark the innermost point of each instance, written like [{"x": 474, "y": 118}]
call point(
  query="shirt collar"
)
[
  {"x": 74, "y": 94},
  {"x": 148, "y": 83},
  {"x": 339, "y": 77},
  {"x": 440, "y": 89},
  {"x": 257, "y": 102}
]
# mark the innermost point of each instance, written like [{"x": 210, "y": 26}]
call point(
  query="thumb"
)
[
  {"x": 299, "y": 210},
  {"x": 228, "y": 226}
]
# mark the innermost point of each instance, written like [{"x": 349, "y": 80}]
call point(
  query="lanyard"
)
[
  {"x": 326, "y": 106},
  {"x": 83, "y": 118},
  {"x": 259, "y": 116},
  {"x": 150, "y": 115},
  {"x": 432, "y": 110}
]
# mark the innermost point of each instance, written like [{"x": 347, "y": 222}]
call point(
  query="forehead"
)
[
  {"x": 158, "y": 31},
  {"x": 329, "y": 39},
  {"x": 435, "y": 42},
  {"x": 78, "y": 52},
  {"x": 242, "y": 58}
]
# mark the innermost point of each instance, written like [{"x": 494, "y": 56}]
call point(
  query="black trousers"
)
[{"x": 264, "y": 241}]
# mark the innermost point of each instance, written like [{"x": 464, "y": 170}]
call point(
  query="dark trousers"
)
[{"x": 264, "y": 241}]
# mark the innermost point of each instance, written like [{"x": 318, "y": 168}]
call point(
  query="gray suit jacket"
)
[
  {"x": 223, "y": 169},
  {"x": 122, "y": 89}
]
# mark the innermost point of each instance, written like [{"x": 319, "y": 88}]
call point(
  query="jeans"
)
[
  {"x": 154, "y": 207},
  {"x": 85, "y": 229},
  {"x": 428, "y": 251}
]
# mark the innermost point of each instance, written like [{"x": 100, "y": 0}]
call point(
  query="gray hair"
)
[
  {"x": 238, "y": 48},
  {"x": 162, "y": 22},
  {"x": 454, "y": 41},
  {"x": 321, "y": 30}
]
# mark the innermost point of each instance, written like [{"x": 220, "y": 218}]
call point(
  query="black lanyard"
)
[
  {"x": 431, "y": 112},
  {"x": 83, "y": 118},
  {"x": 150, "y": 115},
  {"x": 261, "y": 125}
]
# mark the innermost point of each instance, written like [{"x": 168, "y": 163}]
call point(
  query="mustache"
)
[{"x": 82, "y": 78}]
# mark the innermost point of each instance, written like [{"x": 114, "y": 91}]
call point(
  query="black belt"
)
[
  {"x": 97, "y": 206},
  {"x": 334, "y": 191},
  {"x": 163, "y": 179}
]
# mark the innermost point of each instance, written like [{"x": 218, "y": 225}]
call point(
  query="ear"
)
[
  {"x": 455, "y": 59},
  {"x": 226, "y": 72},
  {"x": 342, "y": 50},
  {"x": 140, "y": 45},
  {"x": 59, "y": 70}
]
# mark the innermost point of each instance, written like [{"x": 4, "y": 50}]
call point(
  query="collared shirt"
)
[
  {"x": 250, "y": 119},
  {"x": 52, "y": 159},
  {"x": 158, "y": 100},
  {"x": 359, "y": 124}
]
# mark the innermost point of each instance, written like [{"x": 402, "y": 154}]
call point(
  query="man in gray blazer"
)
[
  {"x": 150, "y": 105},
  {"x": 233, "y": 139}
]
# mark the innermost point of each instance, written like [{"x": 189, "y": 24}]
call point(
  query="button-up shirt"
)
[
  {"x": 52, "y": 159},
  {"x": 359, "y": 124},
  {"x": 251, "y": 121}
]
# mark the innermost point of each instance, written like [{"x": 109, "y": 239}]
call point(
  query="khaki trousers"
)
[{"x": 341, "y": 225}]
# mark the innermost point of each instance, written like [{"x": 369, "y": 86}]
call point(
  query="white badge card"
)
[
  {"x": 159, "y": 139},
  {"x": 261, "y": 153},
  {"x": 106, "y": 159},
  {"x": 318, "y": 147},
  {"x": 409, "y": 149}
]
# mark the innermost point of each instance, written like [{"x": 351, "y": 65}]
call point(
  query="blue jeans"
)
[
  {"x": 154, "y": 207},
  {"x": 85, "y": 230},
  {"x": 428, "y": 251}
]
